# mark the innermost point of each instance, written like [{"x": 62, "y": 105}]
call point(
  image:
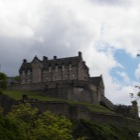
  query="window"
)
[
  {"x": 29, "y": 72},
  {"x": 23, "y": 73},
  {"x": 29, "y": 79},
  {"x": 66, "y": 76},
  {"x": 73, "y": 76},
  {"x": 56, "y": 68},
  {"x": 53, "y": 78},
  {"x": 50, "y": 69},
  {"x": 23, "y": 81},
  {"x": 63, "y": 68},
  {"x": 70, "y": 67}
]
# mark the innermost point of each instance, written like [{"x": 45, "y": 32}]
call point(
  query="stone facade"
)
[
  {"x": 65, "y": 78},
  {"x": 37, "y": 71}
]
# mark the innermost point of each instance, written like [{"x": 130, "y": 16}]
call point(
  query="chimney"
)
[
  {"x": 80, "y": 54},
  {"x": 45, "y": 58},
  {"x": 55, "y": 57},
  {"x": 24, "y": 61}
]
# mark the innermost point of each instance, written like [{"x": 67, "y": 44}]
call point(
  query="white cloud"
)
[
  {"x": 124, "y": 76},
  {"x": 97, "y": 28},
  {"x": 137, "y": 72},
  {"x": 19, "y": 18}
]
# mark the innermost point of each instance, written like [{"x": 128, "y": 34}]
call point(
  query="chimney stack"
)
[
  {"x": 55, "y": 57},
  {"x": 45, "y": 58},
  {"x": 79, "y": 54},
  {"x": 24, "y": 61}
]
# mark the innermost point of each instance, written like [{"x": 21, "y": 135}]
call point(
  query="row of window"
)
[
  {"x": 50, "y": 70},
  {"x": 53, "y": 78}
]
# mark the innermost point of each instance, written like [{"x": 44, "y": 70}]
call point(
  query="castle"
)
[
  {"x": 72, "y": 68},
  {"x": 65, "y": 78}
]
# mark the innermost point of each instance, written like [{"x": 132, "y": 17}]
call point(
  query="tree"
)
[
  {"x": 135, "y": 108},
  {"x": 3, "y": 81},
  {"x": 6, "y": 128},
  {"x": 36, "y": 126}
]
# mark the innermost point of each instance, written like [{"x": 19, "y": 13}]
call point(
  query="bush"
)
[{"x": 1, "y": 92}]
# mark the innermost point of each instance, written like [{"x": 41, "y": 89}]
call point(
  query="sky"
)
[{"x": 107, "y": 33}]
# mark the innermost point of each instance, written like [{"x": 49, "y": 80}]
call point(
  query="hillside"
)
[
  {"x": 104, "y": 123},
  {"x": 17, "y": 95}
]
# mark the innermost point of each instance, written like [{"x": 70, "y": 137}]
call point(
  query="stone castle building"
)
[
  {"x": 37, "y": 71},
  {"x": 65, "y": 78}
]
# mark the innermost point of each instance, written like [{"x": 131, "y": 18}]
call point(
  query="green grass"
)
[
  {"x": 92, "y": 107},
  {"x": 17, "y": 94}
]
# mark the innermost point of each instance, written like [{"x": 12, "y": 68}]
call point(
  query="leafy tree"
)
[
  {"x": 3, "y": 81},
  {"x": 36, "y": 126},
  {"x": 8, "y": 128}
]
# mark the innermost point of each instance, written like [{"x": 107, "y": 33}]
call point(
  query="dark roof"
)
[
  {"x": 96, "y": 80},
  {"x": 25, "y": 66},
  {"x": 52, "y": 62},
  {"x": 62, "y": 61}
]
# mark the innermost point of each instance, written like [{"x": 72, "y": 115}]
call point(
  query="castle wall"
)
[
  {"x": 6, "y": 102},
  {"x": 70, "y": 111},
  {"x": 79, "y": 91},
  {"x": 36, "y": 71},
  {"x": 107, "y": 103},
  {"x": 82, "y": 72},
  {"x": 31, "y": 86}
]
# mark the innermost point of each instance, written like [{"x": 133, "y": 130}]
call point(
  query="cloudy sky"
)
[{"x": 106, "y": 31}]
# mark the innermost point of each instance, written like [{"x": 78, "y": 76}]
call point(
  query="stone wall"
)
[
  {"x": 70, "y": 111},
  {"x": 107, "y": 103},
  {"x": 33, "y": 87},
  {"x": 6, "y": 102},
  {"x": 70, "y": 90}
]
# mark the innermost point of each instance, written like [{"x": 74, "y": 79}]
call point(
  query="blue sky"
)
[
  {"x": 128, "y": 62},
  {"x": 106, "y": 32}
]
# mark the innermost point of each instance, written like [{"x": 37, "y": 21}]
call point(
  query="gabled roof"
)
[
  {"x": 25, "y": 66},
  {"x": 74, "y": 61},
  {"x": 36, "y": 58},
  {"x": 96, "y": 80}
]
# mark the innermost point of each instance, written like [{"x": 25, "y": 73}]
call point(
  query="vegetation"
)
[
  {"x": 3, "y": 81},
  {"x": 26, "y": 123},
  {"x": 104, "y": 131},
  {"x": 17, "y": 79}
]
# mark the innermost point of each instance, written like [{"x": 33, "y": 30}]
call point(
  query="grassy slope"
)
[
  {"x": 103, "y": 131},
  {"x": 17, "y": 94},
  {"x": 82, "y": 128}
]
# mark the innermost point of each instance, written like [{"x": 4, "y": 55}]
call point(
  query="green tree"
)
[
  {"x": 3, "y": 81},
  {"x": 8, "y": 128},
  {"x": 36, "y": 126}
]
